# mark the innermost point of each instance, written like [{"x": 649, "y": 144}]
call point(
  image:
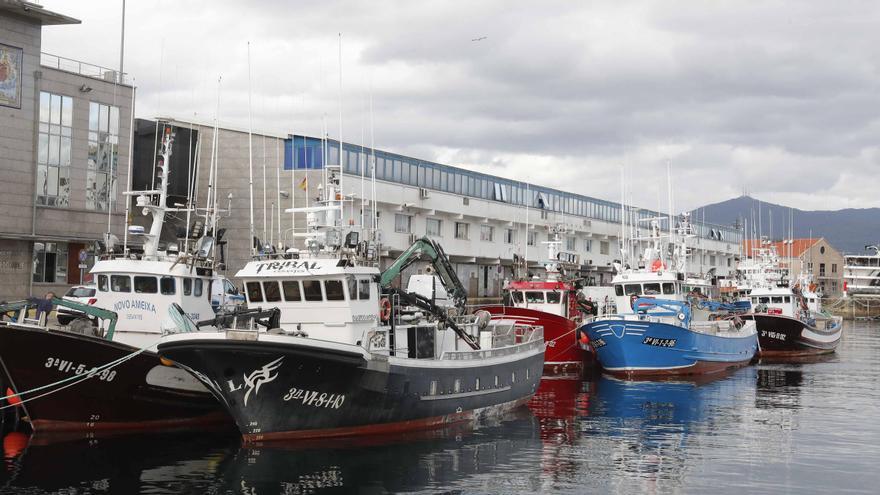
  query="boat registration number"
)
[
  {"x": 65, "y": 366},
  {"x": 597, "y": 343},
  {"x": 773, "y": 335},
  {"x": 657, "y": 342},
  {"x": 315, "y": 399}
]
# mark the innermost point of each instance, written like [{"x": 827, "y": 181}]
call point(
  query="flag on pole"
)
[{"x": 304, "y": 184}]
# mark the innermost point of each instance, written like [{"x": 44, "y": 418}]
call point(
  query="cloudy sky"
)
[{"x": 780, "y": 98}]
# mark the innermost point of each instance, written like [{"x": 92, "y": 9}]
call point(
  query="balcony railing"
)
[{"x": 82, "y": 68}]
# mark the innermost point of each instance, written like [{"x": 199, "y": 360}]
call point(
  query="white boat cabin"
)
[
  {"x": 781, "y": 301},
  {"x": 140, "y": 292},
  {"x": 326, "y": 298},
  {"x": 659, "y": 285},
  {"x": 548, "y": 297}
]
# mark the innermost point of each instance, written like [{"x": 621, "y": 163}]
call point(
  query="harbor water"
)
[{"x": 785, "y": 427}]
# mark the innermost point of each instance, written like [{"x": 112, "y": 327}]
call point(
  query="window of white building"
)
[
  {"x": 432, "y": 227},
  {"x": 461, "y": 230},
  {"x": 402, "y": 223},
  {"x": 487, "y": 233}
]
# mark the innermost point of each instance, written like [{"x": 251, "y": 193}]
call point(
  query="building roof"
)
[
  {"x": 795, "y": 249},
  {"x": 36, "y": 12}
]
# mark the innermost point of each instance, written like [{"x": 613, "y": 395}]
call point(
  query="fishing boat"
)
[
  {"x": 353, "y": 355},
  {"x": 672, "y": 328},
  {"x": 93, "y": 375},
  {"x": 552, "y": 301},
  {"x": 789, "y": 319}
]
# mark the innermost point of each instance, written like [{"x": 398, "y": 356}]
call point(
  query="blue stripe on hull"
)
[{"x": 644, "y": 346}]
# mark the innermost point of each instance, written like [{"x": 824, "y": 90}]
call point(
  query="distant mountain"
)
[{"x": 848, "y": 230}]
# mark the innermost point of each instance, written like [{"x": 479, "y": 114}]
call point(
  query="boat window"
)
[
  {"x": 312, "y": 290},
  {"x": 120, "y": 283},
  {"x": 254, "y": 291},
  {"x": 210, "y": 284},
  {"x": 273, "y": 293},
  {"x": 553, "y": 297},
  {"x": 102, "y": 283},
  {"x": 197, "y": 287},
  {"x": 633, "y": 289},
  {"x": 764, "y": 300},
  {"x": 788, "y": 299},
  {"x": 167, "y": 286},
  {"x": 517, "y": 296},
  {"x": 187, "y": 286},
  {"x": 291, "y": 291},
  {"x": 334, "y": 290},
  {"x": 146, "y": 285},
  {"x": 534, "y": 297},
  {"x": 618, "y": 290},
  {"x": 777, "y": 299},
  {"x": 352, "y": 287},
  {"x": 364, "y": 290},
  {"x": 668, "y": 288},
  {"x": 652, "y": 289}
]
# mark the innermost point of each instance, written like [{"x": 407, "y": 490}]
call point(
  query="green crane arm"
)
[
  {"x": 104, "y": 314},
  {"x": 440, "y": 262}
]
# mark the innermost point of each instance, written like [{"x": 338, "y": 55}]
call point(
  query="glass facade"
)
[
  {"x": 103, "y": 156},
  {"x": 54, "y": 150},
  {"x": 306, "y": 153}
]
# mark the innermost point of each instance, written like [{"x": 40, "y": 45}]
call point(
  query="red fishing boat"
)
[{"x": 554, "y": 302}]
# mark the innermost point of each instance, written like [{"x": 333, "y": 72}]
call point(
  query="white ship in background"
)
[{"x": 861, "y": 273}]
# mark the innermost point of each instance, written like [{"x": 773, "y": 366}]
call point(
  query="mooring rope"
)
[{"x": 75, "y": 379}]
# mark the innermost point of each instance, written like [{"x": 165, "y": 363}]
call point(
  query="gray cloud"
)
[{"x": 778, "y": 97}]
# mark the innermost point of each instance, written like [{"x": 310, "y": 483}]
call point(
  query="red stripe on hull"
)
[
  {"x": 699, "y": 368},
  {"x": 377, "y": 429},
  {"x": 214, "y": 419},
  {"x": 800, "y": 352}
]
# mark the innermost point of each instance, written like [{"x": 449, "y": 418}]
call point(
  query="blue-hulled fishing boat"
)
[
  {"x": 666, "y": 324},
  {"x": 662, "y": 338}
]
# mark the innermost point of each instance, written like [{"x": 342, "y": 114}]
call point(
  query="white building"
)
[{"x": 479, "y": 219}]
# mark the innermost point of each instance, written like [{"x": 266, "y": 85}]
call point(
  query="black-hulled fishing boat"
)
[
  {"x": 345, "y": 362},
  {"x": 786, "y": 325},
  {"x": 789, "y": 319},
  {"x": 65, "y": 378}
]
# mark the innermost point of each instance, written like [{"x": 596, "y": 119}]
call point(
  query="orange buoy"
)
[
  {"x": 14, "y": 443},
  {"x": 657, "y": 265},
  {"x": 585, "y": 339},
  {"x": 13, "y": 399},
  {"x": 166, "y": 361}
]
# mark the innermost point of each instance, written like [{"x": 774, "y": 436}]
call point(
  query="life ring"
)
[{"x": 385, "y": 309}]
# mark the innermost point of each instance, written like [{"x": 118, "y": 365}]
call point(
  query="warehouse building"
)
[{"x": 483, "y": 222}]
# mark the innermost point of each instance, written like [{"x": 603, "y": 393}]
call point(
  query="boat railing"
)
[{"x": 533, "y": 343}]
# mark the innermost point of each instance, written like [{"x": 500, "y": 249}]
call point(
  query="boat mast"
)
[
  {"x": 151, "y": 243},
  {"x": 250, "y": 154}
]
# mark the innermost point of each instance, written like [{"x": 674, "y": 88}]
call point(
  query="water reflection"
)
[{"x": 790, "y": 426}]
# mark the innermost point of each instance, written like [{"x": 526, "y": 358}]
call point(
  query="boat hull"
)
[
  {"x": 131, "y": 396},
  {"x": 783, "y": 336},
  {"x": 290, "y": 390},
  {"x": 636, "y": 348},
  {"x": 564, "y": 355}
]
